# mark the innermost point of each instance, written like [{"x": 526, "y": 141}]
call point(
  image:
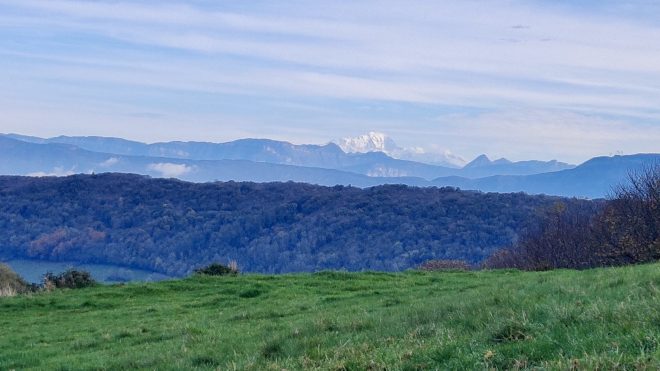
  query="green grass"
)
[{"x": 596, "y": 319}]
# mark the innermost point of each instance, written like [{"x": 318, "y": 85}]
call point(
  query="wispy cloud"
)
[
  {"x": 112, "y": 161},
  {"x": 211, "y": 65},
  {"x": 549, "y": 135},
  {"x": 57, "y": 171},
  {"x": 170, "y": 170}
]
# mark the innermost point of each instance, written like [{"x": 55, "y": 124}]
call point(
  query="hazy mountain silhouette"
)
[
  {"x": 265, "y": 161},
  {"x": 55, "y": 159},
  {"x": 329, "y": 156},
  {"x": 594, "y": 178}
]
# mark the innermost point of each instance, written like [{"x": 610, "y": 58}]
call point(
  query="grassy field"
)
[{"x": 603, "y": 318}]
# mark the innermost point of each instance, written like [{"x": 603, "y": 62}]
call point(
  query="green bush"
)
[
  {"x": 72, "y": 279},
  {"x": 217, "y": 269}
]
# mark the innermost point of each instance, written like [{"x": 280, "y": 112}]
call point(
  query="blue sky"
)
[{"x": 564, "y": 80}]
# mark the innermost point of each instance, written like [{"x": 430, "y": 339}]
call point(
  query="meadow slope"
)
[{"x": 601, "y": 318}]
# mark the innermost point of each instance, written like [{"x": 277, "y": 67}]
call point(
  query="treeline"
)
[
  {"x": 624, "y": 230},
  {"x": 172, "y": 227}
]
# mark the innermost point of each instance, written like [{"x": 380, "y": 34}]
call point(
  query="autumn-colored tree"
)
[
  {"x": 630, "y": 225},
  {"x": 626, "y": 230},
  {"x": 563, "y": 238}
]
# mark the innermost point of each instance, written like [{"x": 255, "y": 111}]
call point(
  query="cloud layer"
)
[{"x": 434, "y": 74}]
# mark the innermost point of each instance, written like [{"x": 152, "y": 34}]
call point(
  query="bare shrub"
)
[
  {"x": 10, "y": 282},
  {"x": 444, "y": 265},
  {"x": 562, "y": 239},
  {"x": 623, "y": 230},
  {"x": 6, "y": 291},
  {"x": 49, "y": 285},
  {"x": 505, "y": 258},
  {"x": 631, "y": 222}
]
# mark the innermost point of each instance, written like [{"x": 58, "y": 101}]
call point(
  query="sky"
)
[{"x": 537, "y": 79}]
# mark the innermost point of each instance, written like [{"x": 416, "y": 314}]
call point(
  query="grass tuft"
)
[
  {"x": 511, "y": 331},
  {"x": 205, "y": 361},
  {"x": 250, "y": 293},
  {"x": 271, "y": 349}
]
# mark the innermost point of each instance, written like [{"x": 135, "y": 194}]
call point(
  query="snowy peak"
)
[
  {"x": 379, "y": 142},
  {"x": 371, "y": 142}
]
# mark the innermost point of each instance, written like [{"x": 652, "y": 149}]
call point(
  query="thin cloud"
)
[
  {"x": 56, "y": 171},
  {"x": 170, "y": 170},
  {"x": 525, "y": 134},
  {"x": 112, "y": 161},
  {"x": 182, "y": 60}
]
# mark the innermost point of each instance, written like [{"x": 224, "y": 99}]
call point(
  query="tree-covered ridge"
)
[{"x": 172, "y": 226}]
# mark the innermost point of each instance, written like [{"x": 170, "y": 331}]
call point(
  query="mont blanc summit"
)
[{"x": 379, "y": 142}]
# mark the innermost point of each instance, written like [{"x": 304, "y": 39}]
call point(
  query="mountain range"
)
[
  {"x": 366, "y": 160},
  {"x": 263, "y": 160}
]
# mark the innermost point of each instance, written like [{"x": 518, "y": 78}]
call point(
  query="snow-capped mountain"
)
[
  {"x": 371, "y": 142},
  {"x": 379, "y": 142}
]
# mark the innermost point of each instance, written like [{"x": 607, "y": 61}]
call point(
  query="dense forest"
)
[{"x": 172, "y": 226}]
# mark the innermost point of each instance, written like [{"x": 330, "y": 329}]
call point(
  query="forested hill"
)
[{"x": 172, "y": 226}]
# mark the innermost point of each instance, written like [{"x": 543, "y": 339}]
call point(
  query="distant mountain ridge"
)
[
  {"x": 483, "y": 160},
  {"x": 594, "y": 178},
  {"x": 57, "y": 159},
  {"x": 329, "y": 156},
  {"x": 262, "y": 160},
  {"x": 482, "y": 166}
]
